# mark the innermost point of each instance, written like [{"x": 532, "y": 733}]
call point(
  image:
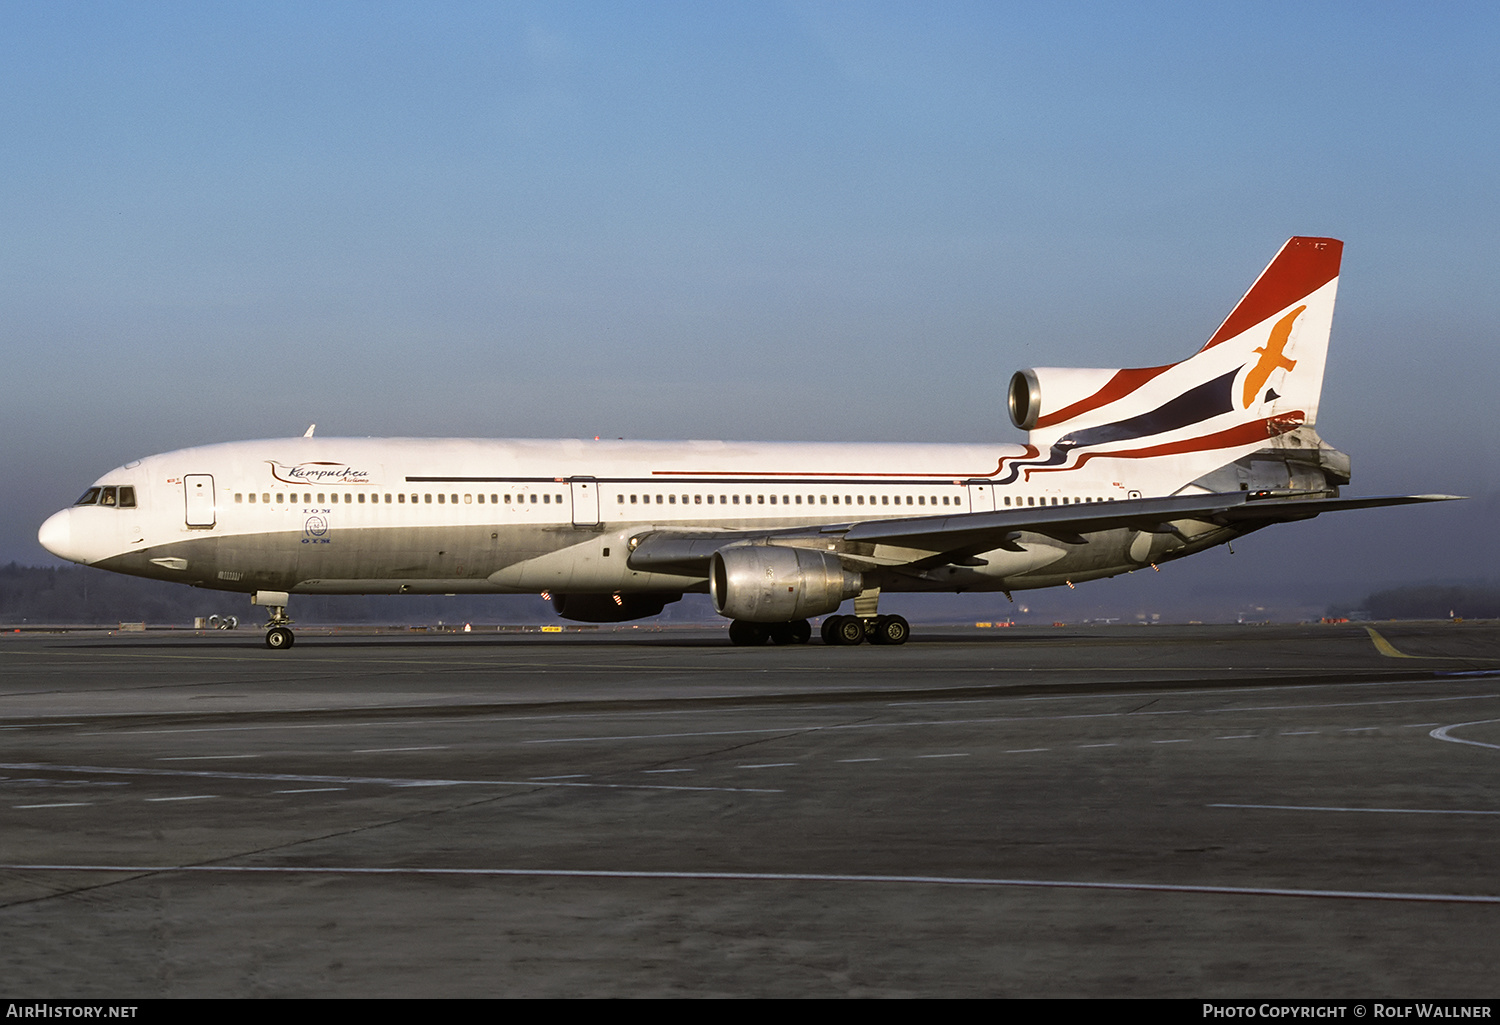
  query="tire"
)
[
  {"x": 850, "y": 630},
  {"x": 279, "y": 638},
  {"x": 743, "y": 632},
  {"x": 891, "y": 630}
]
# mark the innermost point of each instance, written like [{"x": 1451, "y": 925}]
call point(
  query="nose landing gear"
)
[{"x": 278, "y": 633}]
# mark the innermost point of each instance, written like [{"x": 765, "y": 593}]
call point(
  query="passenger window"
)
[
  {"x": 469, "y": 499},
  {"x": 442, "y": 498}
]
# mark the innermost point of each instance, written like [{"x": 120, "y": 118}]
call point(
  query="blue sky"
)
[{"x": 750, "y": 220}]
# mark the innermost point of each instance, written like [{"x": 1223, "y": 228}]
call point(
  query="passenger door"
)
[{"x": 199, "y": 491}]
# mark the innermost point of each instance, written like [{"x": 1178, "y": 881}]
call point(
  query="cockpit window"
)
[
  {"x": 107, "y": 496},
  {"x": 127, "y": 497},
  {"x": 90, "y": 497}
]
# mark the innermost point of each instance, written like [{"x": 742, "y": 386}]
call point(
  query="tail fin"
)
[
  {"x": 1289, "y": 312},
  {"x": 1257, "y": 379}
]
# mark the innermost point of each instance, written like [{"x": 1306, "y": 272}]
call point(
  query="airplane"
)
[{"x": 1121, "y": 469}]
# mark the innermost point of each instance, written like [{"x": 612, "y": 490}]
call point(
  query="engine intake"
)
[{"x": 775, "y": 584}]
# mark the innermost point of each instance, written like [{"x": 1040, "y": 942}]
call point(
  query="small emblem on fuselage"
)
[{"x": 313, "y": 530}]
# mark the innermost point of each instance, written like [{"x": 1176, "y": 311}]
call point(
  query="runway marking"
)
[
  {"x": 194, "y": 797},
  {"x": 794, "y": 729},
  {"x": 570, "y": 775},
  {"x": 960, "y": 755},
  {"x": 1239, "y": 736},
  {"x": 394, "y": 750},
  {"x": 203, "y": 758},
  {"x": 766, "y": 765},
  {"x": 1388, "y": 811},
  {"x": 846, "y": 761},
  {"x": 279, "y": 777},
  {"x": 1384, "y": 646},
  {"x": 1026, "y": 750},
  {"x": 1184, "y": 740},
  {"x": 60, "y": 804},
  {"x": 310, "y": 790},
  {"x": 648, "y": 771},
  {"x": 781, "y": 877},
  {"x": 1442, "y": 734},
  {"x": 1298, "y": 733},
  {"x": 1112, "y": 743}
]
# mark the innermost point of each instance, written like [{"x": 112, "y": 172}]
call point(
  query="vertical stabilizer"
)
[{"x": 1256, "y": 383}]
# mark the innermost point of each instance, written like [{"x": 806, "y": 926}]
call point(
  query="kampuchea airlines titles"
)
[{"x": 1121, "y": 469}]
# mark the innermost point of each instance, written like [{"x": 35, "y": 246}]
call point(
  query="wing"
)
[{"x": 922, "y": 542}]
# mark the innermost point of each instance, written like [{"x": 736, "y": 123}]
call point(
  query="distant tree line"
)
[{"x": 1434, "y": 602}]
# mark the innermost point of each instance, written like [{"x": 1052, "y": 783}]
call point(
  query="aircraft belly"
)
[{"x": 596, "y": 564}]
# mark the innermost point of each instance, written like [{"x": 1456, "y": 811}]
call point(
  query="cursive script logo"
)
[{"x": 319, "y": 473}]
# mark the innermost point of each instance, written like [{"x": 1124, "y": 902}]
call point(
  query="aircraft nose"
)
[{"x": 56, "y": 535}]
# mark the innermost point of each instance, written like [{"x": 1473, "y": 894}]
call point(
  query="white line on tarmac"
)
[
  {"x": 392, "y": 750},
  {"x": 1442, "y": 734},
  {"x": 286, "y": 777},
  {"x": 991, "y": 720},
  {"x": 203, "y": 758},
  {"x": 60, "y": 804},
  {"x": 194, "y": 797},
  {"x": 1388, "y": 811},
  {"x": 780, "y": 877}
]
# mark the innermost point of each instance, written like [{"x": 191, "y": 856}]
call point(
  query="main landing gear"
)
[
  {"x": 835, "y": 630},
  {"x": 742, "y": 631},
  {"x": 858, "y": 629}
]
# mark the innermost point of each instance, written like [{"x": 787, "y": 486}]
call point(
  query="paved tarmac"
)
[{"x": 1264, "y": 812}]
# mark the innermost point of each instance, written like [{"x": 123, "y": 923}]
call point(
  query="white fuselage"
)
[{"x": 352, "y": 515}]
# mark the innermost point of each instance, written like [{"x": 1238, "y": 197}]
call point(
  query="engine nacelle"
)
[
  {"x": 1038, "y": 394},
  {"x": 611, "y": 608},
  {"x": 774, "y": 584}
]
